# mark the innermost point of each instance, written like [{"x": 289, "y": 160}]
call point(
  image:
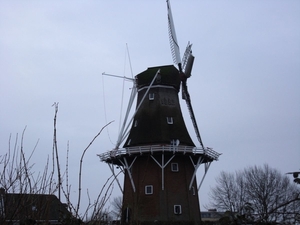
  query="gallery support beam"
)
[
  {"x": 162, "y": 166},
  {"x": 196, "y": 166},
  {"x": 112, "y": 168},
  {"x": 127, "y": 168}
]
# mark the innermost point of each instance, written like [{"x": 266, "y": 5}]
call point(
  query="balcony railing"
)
[{"x": 110, "y": 155}]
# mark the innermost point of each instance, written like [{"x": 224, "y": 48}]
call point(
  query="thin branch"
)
[
  {"x": 55, "y": 149},
  {"x": 80, "y": 167},
  {"x": 25, "y": 162}
]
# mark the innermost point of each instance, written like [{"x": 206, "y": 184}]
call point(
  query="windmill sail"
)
[
  {"x": 173, "y": 39},
  {"x": 187, "y": 61},
  {"x": 187, "y": 98}
]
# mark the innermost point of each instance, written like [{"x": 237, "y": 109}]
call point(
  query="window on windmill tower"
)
[
  {"x": 174, "y": 167},
  {"x": 151, "y": 96},
  {"x": 177, "y": 209},
  {"x": 170, "y": 120},
  {"x": 135, "y": 123},
  {"x": 149, "y": 189}
]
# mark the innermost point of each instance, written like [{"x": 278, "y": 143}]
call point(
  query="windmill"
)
[{"x": 158, "y": 158}]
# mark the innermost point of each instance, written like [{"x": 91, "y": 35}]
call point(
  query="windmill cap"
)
[{"x": 168, "y": 75}]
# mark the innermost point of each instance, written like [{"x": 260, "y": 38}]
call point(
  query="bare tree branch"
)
[
  {"x": 257, "y": 194},
  {"x": 80, "y": 167}
]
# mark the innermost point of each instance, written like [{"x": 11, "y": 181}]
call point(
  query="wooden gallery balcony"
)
[{"x": 115, "y": 154}]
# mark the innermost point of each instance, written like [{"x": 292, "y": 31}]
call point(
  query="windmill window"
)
[
  {"x": 135, "y": 123},
  {"x": 170, "y": 120},
  {"x": 174, "y": 167},
  {"x": 149, "y": 189},
  {"x": 177, "y": 209},
  {"x": 151, "y": 96}
]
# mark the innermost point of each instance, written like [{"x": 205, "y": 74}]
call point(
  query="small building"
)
[
  {"x": 212, "y": 215},
  {"x": 17, "y": 209}
]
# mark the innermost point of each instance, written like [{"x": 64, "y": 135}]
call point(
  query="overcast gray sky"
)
[{"x": 245, "y": 84}]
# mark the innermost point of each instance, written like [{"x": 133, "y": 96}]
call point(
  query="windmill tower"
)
[{"x": 158, "y": 157}]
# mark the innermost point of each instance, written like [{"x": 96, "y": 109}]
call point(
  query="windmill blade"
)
[
  {"x": 187, "y": 73},
  {"x": 173, "y": 39},
  {"x": 186, "y": 55},
  {"x": 190, "y": 108},
  {"x": 189, "y": 66},
  {"x": 188, "y": 60}
]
